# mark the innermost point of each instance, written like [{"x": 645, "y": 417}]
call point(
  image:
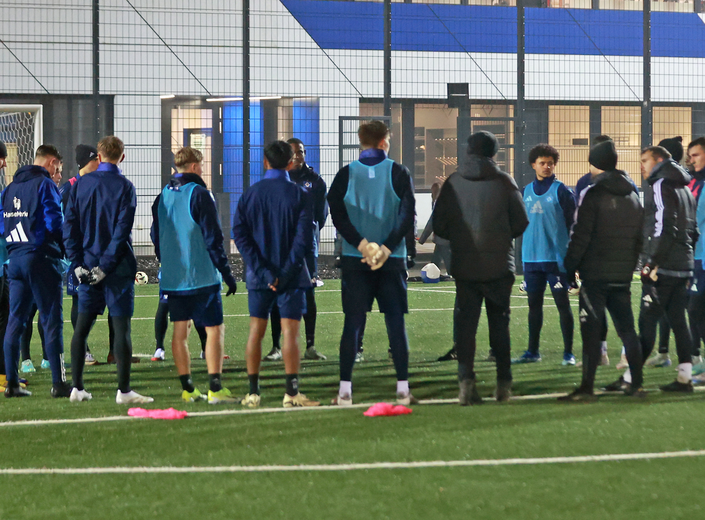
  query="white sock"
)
[
  {"x": 627, "y": 376},
  {"x": 603, "y": 347},
  {"x": 685, "y": 372},
  {"x": 403, "y": 387},
  {"x": 624, "y": 351},
  {"x": 345, "y": 388}
]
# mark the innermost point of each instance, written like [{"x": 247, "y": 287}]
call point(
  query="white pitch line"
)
[
  {"x": 529, "y": 461},
  {"x": 257, "y": 411}
]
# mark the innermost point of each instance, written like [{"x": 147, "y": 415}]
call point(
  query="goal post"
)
[{"x": 22, "y": 131}]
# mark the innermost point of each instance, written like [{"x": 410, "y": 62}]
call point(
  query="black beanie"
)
[
  {"x": 3, "y": 150},
  {"x": 674, "y": 146},
  {"x": 483, "y": 143},
  {"x": 85, "y": 154},
  {"x": 603, "y": 156}
]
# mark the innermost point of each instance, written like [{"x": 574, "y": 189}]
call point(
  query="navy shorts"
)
[
  {"x": 361, "y": 288},
  {"x": 115, "y": 292},
  {"x": 206, "y": 309},
  {"x": 536, "y": 281},
  {"x": 291, "y": 303}
]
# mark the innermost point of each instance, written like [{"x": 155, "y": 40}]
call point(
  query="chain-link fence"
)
[{"x": 228, "y": 76}]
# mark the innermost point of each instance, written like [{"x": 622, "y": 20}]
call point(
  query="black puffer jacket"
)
[
  {"x": 670, "y": 226},
  {"x": 607, "y": 235},
  {"x": 481, "y": 211}
]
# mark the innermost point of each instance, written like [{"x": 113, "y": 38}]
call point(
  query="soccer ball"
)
[
  {"x": 574, "y": 291},
  {"x": 430, "y": 273},
  {"x": 141, "y": 278}
]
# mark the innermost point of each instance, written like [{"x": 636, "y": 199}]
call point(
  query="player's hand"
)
[
  {"x": 83, "y": 275},
  {"x": 97, "y": 276},
  {"x": 232, "y": 289},
  {"x": 410, "y": 262},
  {"x": 273, "y": 285},
  {"x": 648, "y": 274},
  {"x": 381, "y": 257},
  {"x": 368, "y": 250}
]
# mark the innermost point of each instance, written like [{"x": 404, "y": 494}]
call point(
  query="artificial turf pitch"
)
[{"x": 649, "y": 488}]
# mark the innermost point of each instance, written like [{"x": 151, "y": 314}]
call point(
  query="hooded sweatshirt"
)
[
  {"x": 606, "y": 238},
  {"x": 32, "y": 214},
  {"x": 670, "y": 224},
  {"x": 481, "y": 211}
]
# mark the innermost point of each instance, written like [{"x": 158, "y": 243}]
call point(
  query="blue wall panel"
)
[
  {"x": 306, "y": 125},
  {"x": 458, "y": 28}
]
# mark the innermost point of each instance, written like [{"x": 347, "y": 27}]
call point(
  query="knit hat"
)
[
  {"x": 603, "y": 156},
  {"x": 3, "y": 150},
  {"x": 483, "y": 143},
  {"x": 674, "y": 146},
  {"x": 85, "y": 154}
]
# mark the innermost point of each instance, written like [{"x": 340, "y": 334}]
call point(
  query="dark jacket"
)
[
  {"x": 671, "y": 228},
  {"x": 98, "y": 222},
  {"x": 316, "y": 187},
  {"x": 32, "y": 214},
  {"x": 205, "y": 214},
  {"x": 273, "y": 230},
  {"x": 481, "y": 211},
  {"x": 607, "y": 235}
]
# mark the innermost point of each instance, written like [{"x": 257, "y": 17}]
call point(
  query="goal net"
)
[{"x": 21, "y": 131}]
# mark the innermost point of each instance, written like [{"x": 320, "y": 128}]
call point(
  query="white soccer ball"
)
[
  {"x": 141, "y": 278},
  {"x": 574, "y": 291},
  {"x": 430, "y": 273}
]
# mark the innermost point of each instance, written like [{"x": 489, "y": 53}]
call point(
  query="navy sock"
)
[
  {"x": 254, "y": 383},
  {"x": 398, "y": 344},
  {"x": 292, "y": 384},
  {"x": 215, "y": 384},
  {"x": 351, "y": 341},
  {"x": 186, "y": 383}
]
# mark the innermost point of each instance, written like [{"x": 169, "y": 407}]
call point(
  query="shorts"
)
[
  {"x": 291, "y": 303},
  {"x": 205, "y": 309},
  {"x": 115, "y": 292},
  {"x": 361, "y": 288},
  {"x": 536, "y": 281}
]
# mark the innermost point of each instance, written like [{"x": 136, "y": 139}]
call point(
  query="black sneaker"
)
[
  {"x": 639, "y": 392},
  {"x": 503, "y": 391},
  {"x": 60, "y": 390},
  {"x": 579, "y": 395},
  {"x": 274, "y": 355},
  {"x": 676, "y": 386},
  {"x": 618, "y": 386},
  {"x": 468, "y": 393},
  {"x": 16, "y": 391},
  {"x": 451, "y": 355}
]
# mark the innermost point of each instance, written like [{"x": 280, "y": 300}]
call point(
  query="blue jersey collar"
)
[
  {"x": 277, "y": 174},
  {"x": 373, "y": 153},
  {"x": 109, "y": 167}
]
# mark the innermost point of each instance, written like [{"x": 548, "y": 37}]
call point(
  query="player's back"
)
[{"x": 103, "y": 204}]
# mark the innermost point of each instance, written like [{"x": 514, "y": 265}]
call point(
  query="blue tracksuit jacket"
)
[{"x": 97, "y": 230}]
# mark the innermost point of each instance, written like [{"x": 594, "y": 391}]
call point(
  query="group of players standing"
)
[
  {"x": 602, "y": 234},
  {"x": 480, "y": 211}
]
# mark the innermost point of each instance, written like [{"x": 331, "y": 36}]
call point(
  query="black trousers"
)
[
  {"x": 468, "y": 305},
  {"x": 595, "y": 298},
  {"x": 669, "y": 296}
]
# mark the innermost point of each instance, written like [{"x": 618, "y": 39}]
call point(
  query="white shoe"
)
[
  {"x": 342, "y": 400},
  {"x": 158, "y": 355},
  {"x": 132, "y": 397},
  {"x": 90, "y": 360},
  {"x": 623, "y": 363},
  {"x": 251, "y": 401},
  {"x": 79, "y": 395},
  {"x": 604, "y": 360},
  {"x": 406, "y": 399},
  {"x": 697, "y": 359},
  {"x": 658, "y": 361}
]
